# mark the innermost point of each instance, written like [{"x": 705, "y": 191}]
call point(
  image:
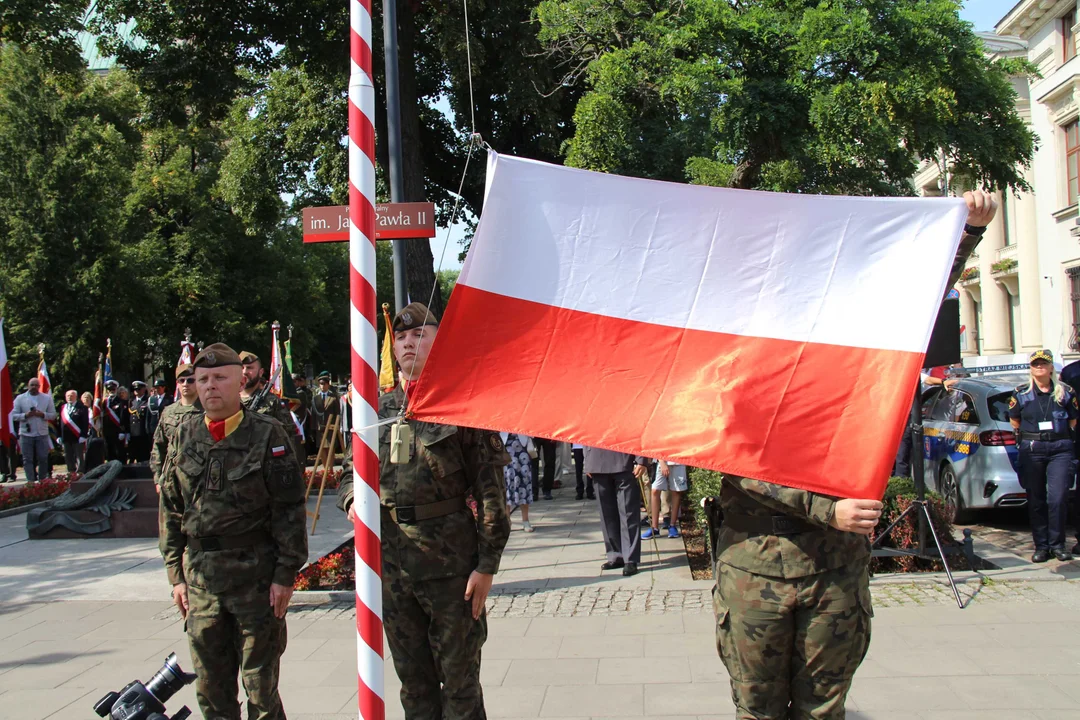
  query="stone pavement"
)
[{"x": 567, "y": 641}]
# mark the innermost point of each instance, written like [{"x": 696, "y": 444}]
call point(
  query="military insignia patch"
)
[
  {"x": 278, "y": 451},
  {"x": 496, "y": 442},
  {"x": 1012, "y": 402},
  {"x": 211, "y": 358},
  {"x": 406, "y": 318},
  {"x": 213, "y": 476}
]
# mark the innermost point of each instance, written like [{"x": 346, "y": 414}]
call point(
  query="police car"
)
[{"x": 969, "y": 448}]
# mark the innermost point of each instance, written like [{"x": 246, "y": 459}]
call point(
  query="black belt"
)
[
  {"x": 412, "y": 514},
  {"x": 1045, "y": 436},
  {"x": 768, "y": 525},
  {"x": 228, "y": 542}
]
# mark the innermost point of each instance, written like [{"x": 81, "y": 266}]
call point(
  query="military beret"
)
[
  {"x": 184, "y": 369},
  {"x": 159, "y": 383},
  {"x": 216, "y": 355},
  {"x": 1045, "y": 355},
  {"x": 413, "y": 315},
  {"x": 246, "y": 358}
]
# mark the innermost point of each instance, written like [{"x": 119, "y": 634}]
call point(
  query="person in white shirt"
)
[{"x": 33, "y": 411}]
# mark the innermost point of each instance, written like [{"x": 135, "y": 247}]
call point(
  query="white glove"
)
[{"x": 82, "y": 441}]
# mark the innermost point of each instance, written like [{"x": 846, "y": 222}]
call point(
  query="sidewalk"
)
[{"x": 565, "y": 640}]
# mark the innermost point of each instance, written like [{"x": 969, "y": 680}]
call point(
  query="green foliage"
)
[
  {"x": 836, "y": 96},
  {"x": 703, "y": 484},
  {"x": 899, "y": 494},
  {"x": 447, "y": 281}
]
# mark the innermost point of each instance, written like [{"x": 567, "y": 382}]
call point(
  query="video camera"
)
[{"x": 147, "y": 702}]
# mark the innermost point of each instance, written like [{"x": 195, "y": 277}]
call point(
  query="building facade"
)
[{"x": 1021, "y": 291}]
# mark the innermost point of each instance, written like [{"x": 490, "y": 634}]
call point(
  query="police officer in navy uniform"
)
[{"x": 1044, "y": 412}]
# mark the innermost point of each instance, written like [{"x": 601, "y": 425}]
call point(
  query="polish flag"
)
[
  {"x": 775, "y": 336},
  {"x": 7, "y": 400},
  {"x": 43, "y": 377}
]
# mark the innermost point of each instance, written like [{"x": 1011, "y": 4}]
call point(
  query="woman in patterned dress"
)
[{"x": 518, "y": 475}]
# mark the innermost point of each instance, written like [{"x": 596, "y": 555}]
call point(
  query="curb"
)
[
  {"x": 22, "y": 509},
  {"x": 322, "y": 597}
]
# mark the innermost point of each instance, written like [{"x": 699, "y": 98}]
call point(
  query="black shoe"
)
[
  {"x": 612, "y": 565},
  {"x": 630, "y": 569},
  {"x": 1061, "y": 555},
  {"x": 590, "y": 496},
  {"x": 579, "y": 496},
  {"x": 1040, "y": 556},
  {"x": 547, "y": 496}
]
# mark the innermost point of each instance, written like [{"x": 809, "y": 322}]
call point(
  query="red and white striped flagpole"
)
[{"x": 365, "y": 393}]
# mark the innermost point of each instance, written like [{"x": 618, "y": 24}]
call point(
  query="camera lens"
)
[{"x": 168, "y": 680}]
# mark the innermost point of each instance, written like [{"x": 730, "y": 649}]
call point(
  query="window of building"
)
[
  {"x": 1068, "y": 42},
  {"x": 1074, "y": 301},
  {"x": 1072, "y": 159}
]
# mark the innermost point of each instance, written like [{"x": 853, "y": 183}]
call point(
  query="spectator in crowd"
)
[
  {"x": 670, "y": 477},
  {"x": 584, "y": 485},
  {"x": 116, "y": 422},
  {"x": 9, "y": 459},
  {"x": 74, "y": 429},
  {"x": 33, "y": 410},
  {"x": 303, "y": 412},
  {"x": 324, "y": 405},
  {"x": 87, "y": 400},
  {"x": 156, "y": 405},
  {"x": 518, "y": 477},
  {"x": 619, "y": 498},
  {"x": 546, "y": 448}
]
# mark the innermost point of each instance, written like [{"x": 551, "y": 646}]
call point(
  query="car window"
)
[
  {"x": 999, "y": 406},
  {"x": 962, "y": 408},
  {"x": 929, "y": 397},
  {"x": 940, "y": 411}
]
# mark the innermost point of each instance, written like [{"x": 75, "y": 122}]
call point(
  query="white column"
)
[
  {"x": 995, "y": 298},
  {"x": 1029, "y": 316},
  {"x": 967, "y": 322}
]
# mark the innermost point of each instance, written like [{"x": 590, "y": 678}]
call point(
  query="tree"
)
[
  {"x": 67, "y": 148},
  {"x": 825, "y": 96}
]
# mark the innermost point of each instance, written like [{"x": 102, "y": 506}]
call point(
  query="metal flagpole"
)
[
  {"x": 393, "y": 142},
  {"x": 365, "y": 392}
]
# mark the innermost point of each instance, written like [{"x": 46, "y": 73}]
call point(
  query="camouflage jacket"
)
[
  {"x": 447, "y": 462},
  {"x": 171, "y": 417},
  {"x": 272, "y": 406},
  {"x": 808, "y": 553},
  {"x": 247, "y": 483},
  {"x": 786, "y": 556}
]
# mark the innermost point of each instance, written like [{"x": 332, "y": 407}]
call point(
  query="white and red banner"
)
[
  {"x": 775, "y": 336},
  {"x": 7, "y": 400},
  {"x": 72, "y": 426},
  {"x": 187, "y": 357},
  {"x": 43, "y": 377}
]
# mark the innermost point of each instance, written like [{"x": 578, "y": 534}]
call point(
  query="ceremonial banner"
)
[
  {"x": 43, "y": 375},
  {"x": 775, "y": 336}
]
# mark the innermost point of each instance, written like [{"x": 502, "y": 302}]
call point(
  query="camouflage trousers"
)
[
  {"x": 435, "y": 644},
  {"x": 791, "y": 646},
  {"x": 231, "y": 633}
]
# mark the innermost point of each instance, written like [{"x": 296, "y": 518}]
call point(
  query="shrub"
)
[
  {"x": 898, "y": 497},
  {"x": 703, "y": 483}
]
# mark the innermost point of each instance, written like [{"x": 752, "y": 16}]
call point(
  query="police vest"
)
[{"x": 1059, "y": 415}]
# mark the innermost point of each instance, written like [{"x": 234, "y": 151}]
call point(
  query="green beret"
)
[
  {"x": 185, "y": 369},
  {"x": 246, "y": 358},
  {"x": 216, "y": 355},
  {"x": 413, "y": 315},
  {"x": 1042, "y": 355}
]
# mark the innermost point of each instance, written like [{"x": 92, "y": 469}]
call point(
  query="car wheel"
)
[{"x": 949, "y": 487}]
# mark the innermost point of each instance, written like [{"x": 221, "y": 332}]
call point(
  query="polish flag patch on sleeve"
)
[{"x": 278, "y": 451}]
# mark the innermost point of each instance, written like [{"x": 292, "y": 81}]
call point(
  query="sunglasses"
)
[{"x": 185, "y": 381}]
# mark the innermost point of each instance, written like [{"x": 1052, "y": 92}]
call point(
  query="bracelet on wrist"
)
[{"x": 972, "y": 230}]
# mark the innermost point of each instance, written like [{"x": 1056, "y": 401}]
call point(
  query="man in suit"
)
[
  {"x": 614, "y": 475},
  {"x": 116, "y": 423},
  {"x": 74, "y": 429},
  {"x": 324, "y": 405}
]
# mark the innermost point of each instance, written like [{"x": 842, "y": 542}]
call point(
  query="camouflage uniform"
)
[
  {"x": 272, "y": 406},
  {"x": 792, "y": 610},
  {"x": 171, "y": 417},
  {"x": 433, "y": 638},
  {"x": 243, "y": 496},
  {"x": 793, "y": 602}
]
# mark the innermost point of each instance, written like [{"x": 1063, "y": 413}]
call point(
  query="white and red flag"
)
[
  {"x": 43, "y": 374},
  {"x": 187, "y": 356},
  {"x": 775, "y": 336},
  {"x": 7, "y": 400}
]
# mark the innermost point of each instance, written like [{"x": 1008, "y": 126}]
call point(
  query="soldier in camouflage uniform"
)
[
  {"x": 438, "y": 561},
  {"x": 792, "y": 596},
  {"x": 233, "y": 538},
  {"x": 254, "y": 399},
  {"x": 171, "y": 417}
]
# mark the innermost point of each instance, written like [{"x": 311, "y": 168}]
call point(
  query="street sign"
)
[{"x": 393, "y": 221}]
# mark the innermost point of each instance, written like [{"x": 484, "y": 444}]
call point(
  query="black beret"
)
[
  {"x": 413, "y": 315},
  {"x": 216, "y": 355}
]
